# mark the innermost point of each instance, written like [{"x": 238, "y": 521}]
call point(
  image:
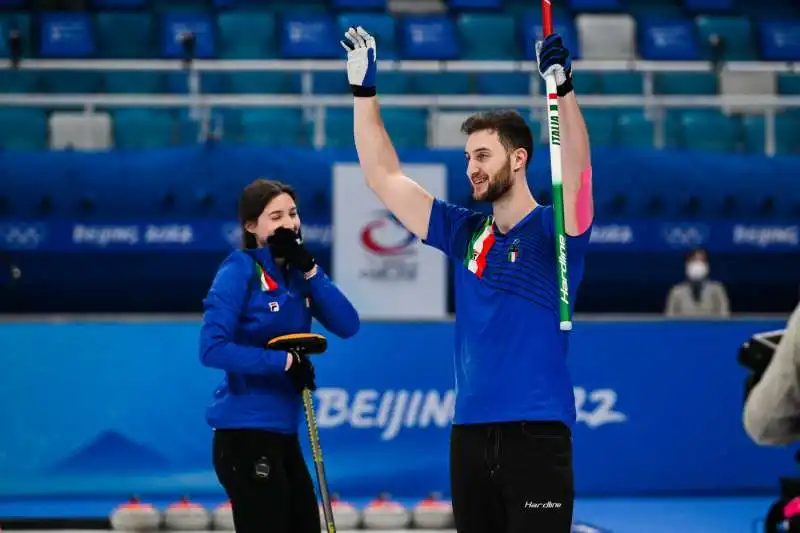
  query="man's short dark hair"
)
[{"x": 511, "y": 129}]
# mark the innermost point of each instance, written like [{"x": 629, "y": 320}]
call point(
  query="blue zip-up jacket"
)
[{"x": 256, "y": 391}]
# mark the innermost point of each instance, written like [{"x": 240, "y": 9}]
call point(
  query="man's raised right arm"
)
[
  {"x": 401, "y": 195},
  {"x": 409, "y": 202}
]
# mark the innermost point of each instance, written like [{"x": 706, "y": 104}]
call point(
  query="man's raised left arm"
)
[{"x": 576, "y": 164}]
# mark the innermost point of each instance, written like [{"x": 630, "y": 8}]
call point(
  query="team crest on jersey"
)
[
  {"x": 513, "y": 251},
  {"x": 274, "y": 307}
]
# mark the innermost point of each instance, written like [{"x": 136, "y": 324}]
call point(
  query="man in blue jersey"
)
[{"x": 511, "y": 443}]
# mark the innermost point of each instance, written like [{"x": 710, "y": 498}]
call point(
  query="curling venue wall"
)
[
  {"x": 144, "y": 231},
  {"x": 110, "y": 408}
]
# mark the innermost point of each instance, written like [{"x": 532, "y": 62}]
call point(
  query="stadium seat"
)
[
  {"x": 709, "y": 6},
  {"x": 138, "y": 40},
  {"x": 20, "y": 22},
  {"x": 338, "y": 127},
  {"x": 771, "y": 9},
  {"x": 277, "y": 7},
  {"x": 595, "y": 5},
  {"x": 72, "y": 82},
  {"x": 621, "y": 83},
  {"x": 789, "y": 83},
  {"x": 709, "y": 130},
  {"x": 606, "y": 36},
  {"x": 747, "y": 83},
  {"x": 359, "y": 4},
  {"x": 408, "y": 128},
  {"x": 142, "y": 82},
  {"x": 63, "y": 35},
  {"x": 586, "y": 83},
  {"x": 520, "y": 9},
  {"x": 602, "y": 126},
  {"x": 736, "y": 33},
  {"x": 20, "y": 81},
  {"x": 780, "y": 40},
  {"x": 685, "y": 83},
  {"x": 671, "y": 40},
  {"x": 394, "y": 82},
  {"x": 787, "y": 133},
  {"x": 175, "y": 24},
  {"x": 474, "y": 4},
  {"x": 664, "y": 10},
  {"x": 531, "y": 31},
  {"x": 179, "y": 82},
  {"x": 429, "y": 37},
  {"x": 23, "y": 129},
  {"x": 754, "y": 133},
  {"x": 247, "y": 35},
  {"x": 473, "y": 30},
  {"x": 261, "y": 82},
  {"x": 279, "y": 126},
  {"x": 331, "y": 83},
  {"x": 118, "y": 4},
  {"x": 442, "y": 83},
  {"x": 381, "y": 26},
  {"x": 309, "y": 35},
  {"x": 634, "y": 129},
  {"x": 535, "y": 124},
  {"x": 143, "y": 128},
  {"x": 498, "y": 83}
]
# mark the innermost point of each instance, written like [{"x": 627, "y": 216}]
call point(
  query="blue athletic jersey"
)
[
  {"x": 510, "y": 354},
  {"x": 244, "y": 309}
]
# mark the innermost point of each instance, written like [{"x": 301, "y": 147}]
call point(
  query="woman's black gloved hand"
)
[
  {"x": 301, "y": 372},
  {"x": 288, "y": 245}
]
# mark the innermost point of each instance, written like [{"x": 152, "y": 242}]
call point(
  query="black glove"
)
[
  {"x": 288, "y": 245},
  {"x": 301, "y": 372}
]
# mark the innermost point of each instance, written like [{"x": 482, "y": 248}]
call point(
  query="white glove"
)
[{"x": 362, "y": 66}]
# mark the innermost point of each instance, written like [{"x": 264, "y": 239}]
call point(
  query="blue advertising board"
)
[
  {"x": 109, "y": 408},
  {"x": 211, "y": 235}
]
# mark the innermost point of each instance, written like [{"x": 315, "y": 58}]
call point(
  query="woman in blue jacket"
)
[{"x": 271, "y": 287}]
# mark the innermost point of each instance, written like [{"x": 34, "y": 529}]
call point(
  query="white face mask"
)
[{"x": 696, "y": 270}]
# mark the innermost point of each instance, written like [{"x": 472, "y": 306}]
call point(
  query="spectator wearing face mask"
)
[{"x": 698, "y": 295}]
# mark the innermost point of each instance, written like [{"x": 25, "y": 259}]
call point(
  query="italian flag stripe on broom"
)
[
  {"x": 267, "y": 283},
  {"x": 479, "y": 246}
]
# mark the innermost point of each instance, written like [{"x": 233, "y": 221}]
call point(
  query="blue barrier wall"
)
[
  {"x": 114, "y": 408},
  {"x": 144, "y": 231}
]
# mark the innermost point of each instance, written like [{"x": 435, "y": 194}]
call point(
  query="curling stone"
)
[
  {"x": 383, "y": 513},
  {"x": 345, "y": 514},
  {"x": 135, "y": 516},
  {"x": 185, "y": 515},
  {"x": 223, "y": 517},
  {"x": 433, "y": 513}
]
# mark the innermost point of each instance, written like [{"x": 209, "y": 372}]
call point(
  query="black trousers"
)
[
  {"x": 267, "y": 481},
  {"x": 512, "y": 477}
]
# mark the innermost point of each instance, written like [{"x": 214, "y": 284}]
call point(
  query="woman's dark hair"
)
[
  {"x": 695, "y": 253},
  {"x": 254, "y": 199}
]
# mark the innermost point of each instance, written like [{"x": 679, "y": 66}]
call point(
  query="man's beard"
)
[{"x": 497, "y": 186}]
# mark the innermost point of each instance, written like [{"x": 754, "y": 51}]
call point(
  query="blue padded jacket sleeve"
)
[
  {"x": 222, "y": 309},
  {"x": 331, "y": 307}
]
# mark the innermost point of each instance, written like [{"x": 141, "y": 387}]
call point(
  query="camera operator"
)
[{"x": 772, "y": 409}]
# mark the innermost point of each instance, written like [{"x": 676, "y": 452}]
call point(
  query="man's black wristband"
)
[
  {"x": 565, "y": 88},
  {"x": 358, "y": 90}
]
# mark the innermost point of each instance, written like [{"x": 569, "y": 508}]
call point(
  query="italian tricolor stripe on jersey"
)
[
  {"x": 267, "y": 283},
  {"x": 479, "y": 246}
]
